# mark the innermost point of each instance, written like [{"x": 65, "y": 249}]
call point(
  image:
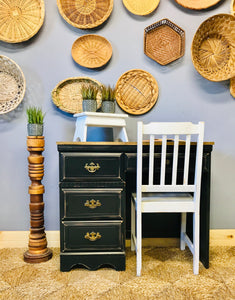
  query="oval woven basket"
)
[
  {"x": 197, "y": 4},
  {"x": 91, "y": 51},
  {"x": 213, "y": 51},
  {"x": 141, "y": 7},
  {"x": 67, "y": 94},
  {"x": 136, "y": 92},
  {"x": 12, "y": 85},
  {"x": 20, "y": 19},
  {"x": 85, "y": 13}
]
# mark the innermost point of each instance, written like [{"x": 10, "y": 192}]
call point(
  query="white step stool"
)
[{"x": 85, "y": 119}]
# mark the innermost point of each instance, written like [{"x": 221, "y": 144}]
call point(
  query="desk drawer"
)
[
  {"x": 92, "y": 236},
  {"x": 91, "y": 203},
  {"x": 90, "y": 166}
]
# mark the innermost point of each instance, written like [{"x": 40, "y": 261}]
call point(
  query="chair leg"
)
[
  {"x": 196, "y": 229},
  {"x": 138, "y": 243},
  {"x": 132, "y": 225},
  {"x": 183, "y": 230}
]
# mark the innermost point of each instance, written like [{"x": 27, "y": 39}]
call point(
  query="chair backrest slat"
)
[
  {"x": 186, "y": 159},
  {"x": 163, "y": 160},
  {"x": 151, "y": 159},
  {"x": 175, "y": 159}
]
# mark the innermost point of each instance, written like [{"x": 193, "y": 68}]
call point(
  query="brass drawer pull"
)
[
  {"x": 92, "y": 203},
  {"x": 92, "y": 167},
  {"x": 92, "y": 236}
]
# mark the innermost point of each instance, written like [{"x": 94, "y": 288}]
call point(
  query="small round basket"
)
[
  {"x": 85, "y": 14},
  {"x": 213, "y": 48},
  {"x": 20, "y": 19},
  {"x": 197, "y": 4},
  {"x": 12, "y": 85},
  {"x": 141, "y": 7}
]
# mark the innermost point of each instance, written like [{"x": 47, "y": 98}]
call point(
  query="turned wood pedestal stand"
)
[{"x": 38, "y": 251}]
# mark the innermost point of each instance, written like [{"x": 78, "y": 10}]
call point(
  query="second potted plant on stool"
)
[
  {"x": 35, "y": 121},
  {"x": 108, "y": 99},
  {"x": 89, "y": 94}
]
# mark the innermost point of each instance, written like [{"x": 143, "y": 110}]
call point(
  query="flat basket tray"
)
[
  {"x": 197, "y": 4},
  {"x": 12, "y": 85},
  {"x": 85, "y": 14},
  {"x": 67, "y": 94},
  {"x": 213, "y": 51},
  {"x": 141, "y": 7},
  {"x": 136, "y": 91},
  {"x": 91, "y": 51},
  {"x": 20, "y": 19}
]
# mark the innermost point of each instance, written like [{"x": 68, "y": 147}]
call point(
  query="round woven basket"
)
[
  {"x": 213, "y": 51},
  {"x": 141, "y": 7},
  {"x": 91, "y": 51},
  {"x": 233, "y": 7},
  {"x": 232, "y": 86},
  {"x": 136, "y": 92},
  {"x": 67, "y": 94},
  {"x": 20, "y": 19},
  {"x": 85, "y": 13},
  {"x": 197, "y": 4},
  {"x": 12, "y": 85}
]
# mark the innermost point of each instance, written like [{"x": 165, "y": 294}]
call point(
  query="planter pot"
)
[
  {"x": 108, "y": 106},
  {"x": 89, "y": 105},
  {"x": 35, "y": 129}
]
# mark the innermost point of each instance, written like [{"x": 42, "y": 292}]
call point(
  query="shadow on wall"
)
[{"x": 99, "y": 134}]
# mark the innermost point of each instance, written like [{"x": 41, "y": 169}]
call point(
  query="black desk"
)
[{"x": 164, "y": 225}]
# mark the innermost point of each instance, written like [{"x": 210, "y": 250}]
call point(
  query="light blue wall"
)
[{"x": 184, "y": 96}]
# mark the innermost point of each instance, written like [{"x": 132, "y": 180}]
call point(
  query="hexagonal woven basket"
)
[
  {"x": 20, "y": 19},
  {"x": 12, "y": 85},
  {"x": 213, "y": 48},
  {"x": 85, "y": 14}
]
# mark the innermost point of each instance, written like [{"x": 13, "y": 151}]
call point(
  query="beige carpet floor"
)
[{"x": 167, "y": 274}]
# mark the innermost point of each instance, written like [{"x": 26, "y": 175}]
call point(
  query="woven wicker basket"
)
[
  {"x": 164, "y": 41},
  {"x": 20, "y": 19},
  {"x": 197, "y": 4},
  {"x": 213, "y": 48},
  {"x": 232, "y": 86},
  {"x": 141, "y": 7},
  {"x": 12, "y": 85},
  {"x": 233, "y": 7},
  {"x": 67, "y": 94},
  {"x": 136, "y": 92},
  {"x": 85, "y": 14},
  {"x": 91, "y": 51}
]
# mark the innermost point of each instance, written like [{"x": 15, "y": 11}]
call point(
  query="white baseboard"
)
[{"x": 19, "y": 239}]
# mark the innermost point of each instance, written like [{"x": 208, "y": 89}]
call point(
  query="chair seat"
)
[{"x": 166, "y": 202}]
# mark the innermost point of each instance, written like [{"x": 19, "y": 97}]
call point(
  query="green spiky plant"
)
[
  {"x": 89, "y": 91},
  {"x": 35, "y": 115},
  {"x": 108, "y": 93}
]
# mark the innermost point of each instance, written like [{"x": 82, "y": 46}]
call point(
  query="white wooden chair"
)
[{"x": 163, "y": 197}]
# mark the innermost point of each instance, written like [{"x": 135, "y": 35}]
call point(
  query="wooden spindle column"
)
[{"x": 38, "y": 251}]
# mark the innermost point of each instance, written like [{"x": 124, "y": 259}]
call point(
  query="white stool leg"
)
[{"x": 120, "y": 133}]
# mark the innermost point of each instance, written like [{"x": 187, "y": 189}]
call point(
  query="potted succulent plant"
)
[
  {"x": 108, "y": 99},
  {"x": 35, "y": 121},
  {"x": 89, "y": 94}
]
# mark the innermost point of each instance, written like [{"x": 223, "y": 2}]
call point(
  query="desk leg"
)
[{"x": 120, "y": 133}]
